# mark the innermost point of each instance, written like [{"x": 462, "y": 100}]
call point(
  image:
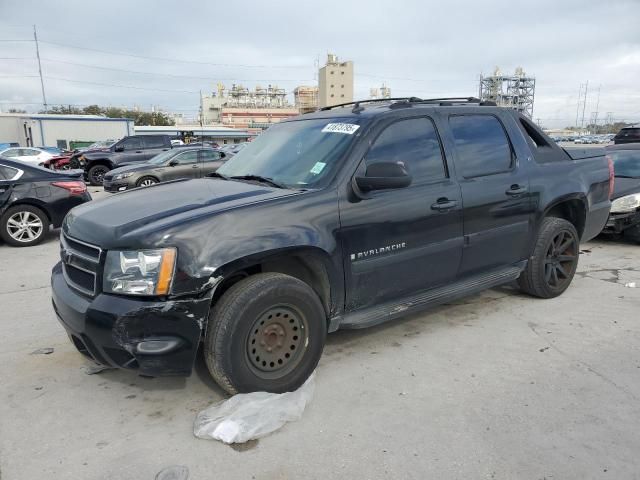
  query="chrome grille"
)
[{"x": 80, "y": 264}]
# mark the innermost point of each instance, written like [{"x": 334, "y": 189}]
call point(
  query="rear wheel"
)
[
  {"x": 146, "y": 182},
  {"x": 633, "y": 233},
  {"x": 24, "y": 226},
  {"x": 554, "y": 261},
  {"x": 96, "y": 174},
  {"x": 266, "y": 333}
]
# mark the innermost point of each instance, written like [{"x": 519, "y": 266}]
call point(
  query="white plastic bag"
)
[{"x": 248, "y": 416}]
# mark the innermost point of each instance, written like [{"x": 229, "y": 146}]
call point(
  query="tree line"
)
[{"x": 139, "y": 118}]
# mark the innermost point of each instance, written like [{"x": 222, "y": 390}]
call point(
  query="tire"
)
[
  {"x": 265, "y": 311},
  {"x": 96, "y": 174},
  {"x": 554, "y": 261},
  {"x": 633, "y": 233},
  {"x": 14, "y": 221},
  {"x": 146, "y": 181}
]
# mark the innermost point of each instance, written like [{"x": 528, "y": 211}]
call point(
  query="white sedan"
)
[{"x": 28, "y": 155}]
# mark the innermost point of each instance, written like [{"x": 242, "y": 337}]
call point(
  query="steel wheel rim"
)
[
  {"x": 560, "y": 260},
  {"x": 98, "y": 175},
  {"x": 24, "y": 227},
  {"x": 276, "y": 342},
  {"x": 147, "y": 182}
]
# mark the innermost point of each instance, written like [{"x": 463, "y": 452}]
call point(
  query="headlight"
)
[
  {"x": 626, "y": 204},
  {"x": 142, "y": 272},
  {"x": 120, "y": 176}
]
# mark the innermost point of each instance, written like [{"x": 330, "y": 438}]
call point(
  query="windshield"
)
[
  {"x": 164, "y": 156},
  {"x": 299, "y": 154},
  {"x": 626, "y": 163},
  {"x": 102, "y": 144}
]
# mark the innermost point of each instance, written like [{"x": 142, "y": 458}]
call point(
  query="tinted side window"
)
[
  {"x": 7, "y": 173},
  {"x": 12, "y": 152},
  {"x": 413, "y": 142},
  {"x": 187, "y": 157},
  {"x": 154, "y": 142},
  {"x": 481, "y": 144},
  {"x": 132, "y": 144},
  {"x": 210, "y": 156}
]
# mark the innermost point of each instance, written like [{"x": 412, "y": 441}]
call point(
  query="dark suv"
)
[
  {"x": 342, "y": 218},
  {"x": 627, "y": 135},
  {"x": 132, "y": 149}
]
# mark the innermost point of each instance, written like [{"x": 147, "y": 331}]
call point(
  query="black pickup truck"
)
[
  {"x": 341, "y": 218},
  {"x": 131, "y": 149}
]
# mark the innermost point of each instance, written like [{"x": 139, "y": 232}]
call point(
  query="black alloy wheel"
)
[{"x": 562, "y": 255}]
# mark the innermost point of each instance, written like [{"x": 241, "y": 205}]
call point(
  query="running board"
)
[{"x": 375, "y": 315}]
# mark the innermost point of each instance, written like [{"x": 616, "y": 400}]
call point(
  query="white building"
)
[
  {"x": 213, "y": 133},
  {"x": 49, "y": 130}
]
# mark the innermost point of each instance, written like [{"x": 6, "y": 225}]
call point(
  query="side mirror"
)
[
  {"x": 382, "y": 176},
  {"x": 119, "y": 148},
  {"x": 173, "y": 163}
]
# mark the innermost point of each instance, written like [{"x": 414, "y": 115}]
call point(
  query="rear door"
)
[
  {"x": 211, "y": 160},
  {"x": 402, "y": 241},
  {"x": 495, "y": 193},
  {"x": 183, "y": 165},
  {"x": 133, "y": 151},
  {"x": 153, "y": 145},
  {"x": 8, "y": 175}
]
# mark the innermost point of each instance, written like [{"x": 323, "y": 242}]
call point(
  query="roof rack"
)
[
  {"x": 406, "y": 101},
  {"x": 357, "y": 103}
]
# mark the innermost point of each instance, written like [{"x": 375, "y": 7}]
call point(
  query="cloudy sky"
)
[{"x": 144, "y": 53}]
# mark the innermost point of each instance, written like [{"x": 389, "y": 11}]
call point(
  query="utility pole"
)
[
  {"x": 44, "y": 97},
  {"x": 595, "y": 120},
  {"x": 578, "y": 104},
  {"x": 584, "y": 104}
]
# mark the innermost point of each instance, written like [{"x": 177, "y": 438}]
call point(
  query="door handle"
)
[
  {"x": 138, "y": 151},
  {"x": 194, "y": 166},
  {"x": 444, "y": 204},
  {"x": 516, "y": 190}
]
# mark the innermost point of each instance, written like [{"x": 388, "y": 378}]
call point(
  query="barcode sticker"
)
[{"x": 347, "y": 128}]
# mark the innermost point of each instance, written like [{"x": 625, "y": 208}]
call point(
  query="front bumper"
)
[
  {"x": 619, "y": 222},
  {"x": 116, "y": 185},
  {"x": 156, "y": 338}
]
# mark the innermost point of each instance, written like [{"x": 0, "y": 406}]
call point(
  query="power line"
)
[
  {"x": 165, "y": 59},
  {"x": 116, "y": 85},
  {"x": 14, "y": 40},
  {"x": 208, "y": 78}
]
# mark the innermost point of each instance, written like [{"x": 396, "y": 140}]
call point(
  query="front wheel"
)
[
  {"x": 146, "y": 182},
  {"x": 554, "y": 261},
  {"x": 266, "y": 333},
  {"x": 96, "y": 174}
]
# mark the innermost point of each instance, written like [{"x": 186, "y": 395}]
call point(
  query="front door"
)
[
  {"x": 183, "y": 165},
  {"x": 402, "y": 241},
  {"x": 495, "y": 192}
]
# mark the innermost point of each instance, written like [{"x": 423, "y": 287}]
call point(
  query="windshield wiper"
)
[
  {"x": 625, "y": 176},
  {"x": 217, "y": 175},
  {"x": 261, "y": 179}
]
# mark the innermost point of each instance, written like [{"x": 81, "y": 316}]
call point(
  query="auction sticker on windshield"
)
[{"x": 347, "y": 128}]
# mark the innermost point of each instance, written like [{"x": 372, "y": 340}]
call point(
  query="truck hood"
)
[
  {"x": 625, "y": 186},
  {"x": 114, "y": 221}
]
